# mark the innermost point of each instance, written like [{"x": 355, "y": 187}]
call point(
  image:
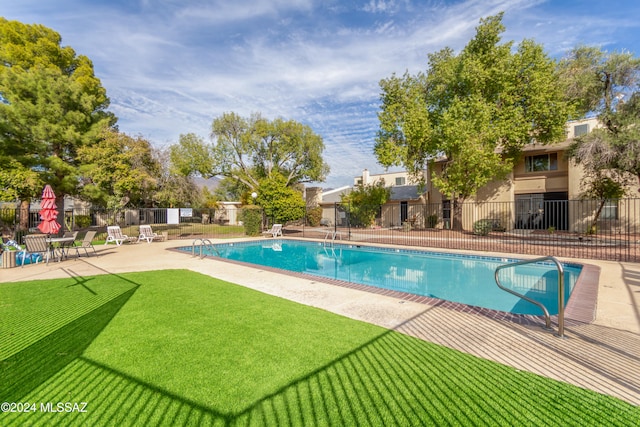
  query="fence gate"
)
[{"x": 541, "y": 211}]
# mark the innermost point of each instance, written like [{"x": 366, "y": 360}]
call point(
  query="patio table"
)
[{"x": 62, "y": 244}]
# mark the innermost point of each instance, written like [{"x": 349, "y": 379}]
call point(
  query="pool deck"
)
[{"x": 603, "y": 355}]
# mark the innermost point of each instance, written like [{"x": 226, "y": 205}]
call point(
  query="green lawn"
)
[
  {"x": 179, "y": 348},
  {"x": 189, "y": 229},
  {"x": 182, "y": 230}
]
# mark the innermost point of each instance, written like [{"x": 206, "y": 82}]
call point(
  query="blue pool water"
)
[{"x": 466, "y": 279}]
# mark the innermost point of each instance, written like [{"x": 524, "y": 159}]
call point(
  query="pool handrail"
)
[
  {"x": 203, "y": 242},
  {"x": 333, "y": 235},
  {"x": 547, "y": 317}
]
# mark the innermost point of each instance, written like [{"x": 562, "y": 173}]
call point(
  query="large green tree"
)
[
  {"x": 597, "y": 80},
  {"x": 191, "y": 155},
  {"x": 472, "y": 111},
  {"x": 51, "y": 104},
  {"x": 229, "y": 189},
  {"x": 174, "y": 189},
  {"x": 249, "y": 150},
  {"x": 119, "y": 170},
  {"x": 606, "y": 84}
]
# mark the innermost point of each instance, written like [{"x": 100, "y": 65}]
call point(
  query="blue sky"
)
[{"x": 171, "y": 66}]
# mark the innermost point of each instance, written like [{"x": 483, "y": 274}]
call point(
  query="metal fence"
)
[
  {"x": 176, "y": 223},
  {"x": 587, "y": 229}
]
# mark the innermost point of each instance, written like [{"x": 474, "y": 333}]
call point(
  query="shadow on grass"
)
[
  {"x": 392, "y": 380},
  {"x": 34, "y": 365}
]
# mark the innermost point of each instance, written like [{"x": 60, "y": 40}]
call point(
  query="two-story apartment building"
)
[
  {"x": 543, "y": 191},
  {"x": 537, "y": 192}
]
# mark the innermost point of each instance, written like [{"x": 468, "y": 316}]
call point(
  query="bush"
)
[
  {"x": 7, "y": 216},
  {"x": 432, "y": 220},
  {"x": 482, "y": 227},
  {"x": 251, "y": 217},
  {"x": 82, "y": 221},
  {"x": 314, "y": 215}
]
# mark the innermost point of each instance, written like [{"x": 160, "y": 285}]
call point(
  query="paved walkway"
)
[{"x": 603, "y": 356}]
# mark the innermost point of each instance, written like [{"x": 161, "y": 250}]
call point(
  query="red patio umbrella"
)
[{"x": 48, "y": 212}]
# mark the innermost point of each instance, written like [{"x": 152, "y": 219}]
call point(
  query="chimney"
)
[
  {"x": 313, "y": 196},
  {"x": 365, "y": 177}
]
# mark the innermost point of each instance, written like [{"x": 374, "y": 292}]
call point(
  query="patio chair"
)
[
  {"x": 114, "y": 234},
  {"x": 65, "y": 247},
  {"x": 86, "y": 244},
  {"x": 146, "y": 233},
  {"x": 37, "y": 244},
  {"x": 275, "y": 231}
]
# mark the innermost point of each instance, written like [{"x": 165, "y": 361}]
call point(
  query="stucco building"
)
[{"x": 543, "y": 191}]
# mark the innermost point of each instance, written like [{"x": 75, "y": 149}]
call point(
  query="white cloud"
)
[
  {"x": 381, "y": 6},
  {"x": 171, "y": 66},
  {"x": 225, "y": 11}
]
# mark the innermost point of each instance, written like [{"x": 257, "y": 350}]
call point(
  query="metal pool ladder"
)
[
  {"x": 204, "y": 243},
  {"x": 333, "y": 235},
  {"x": 539, "y": 304}
]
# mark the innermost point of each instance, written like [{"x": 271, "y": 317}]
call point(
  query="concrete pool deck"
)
[{"x": 603, "y": 356}]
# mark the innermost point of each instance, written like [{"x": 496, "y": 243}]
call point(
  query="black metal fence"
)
[
  {"x": 176, "y": 223},
  {"x": 588, "y": 229}
]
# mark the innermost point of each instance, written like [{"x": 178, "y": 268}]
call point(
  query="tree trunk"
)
[
  {"x": 457, "y": 214},
  {"x": 24, "y": 215},
  {"x": 594, "y": 224}
]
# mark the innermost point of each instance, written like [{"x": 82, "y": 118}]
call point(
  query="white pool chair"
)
[
  {"x": 276, "y": 230},
  {"x": 146, "y": 233},
  {"x": 114, "y": 234}
]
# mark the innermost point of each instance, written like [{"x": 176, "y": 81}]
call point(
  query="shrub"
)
[
  {"x": 280, "y": 203},
  {"x": 432, "y": 220},
  {"x": 314, "y": 215},
  {"x": 363, "y": 203},
  {"x": 251, "y": 217},
  {"x": 82, "y": 221},
  {"x": 482, "y": 227},
  {"x": 7, "y": 216}
]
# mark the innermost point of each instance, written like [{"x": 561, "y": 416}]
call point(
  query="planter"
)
[{"x": 9, "y": 259}]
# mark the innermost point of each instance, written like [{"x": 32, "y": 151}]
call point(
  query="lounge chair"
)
[
  {"x": 114, "y": 234},
  {"x": 146, "y": 233},
  {"x": 86, "y": 243},
  {"x": 276, "y": 230},
  {"x": 37, "y": 244}
]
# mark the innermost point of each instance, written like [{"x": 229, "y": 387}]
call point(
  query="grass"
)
[
  {"x": 182, "y": 230},
  {"x": 179, "y": 348},
  {"x": 187, "y": 228}
]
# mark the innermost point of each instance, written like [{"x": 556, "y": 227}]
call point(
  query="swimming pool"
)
[{"x": 466, "y": 279}]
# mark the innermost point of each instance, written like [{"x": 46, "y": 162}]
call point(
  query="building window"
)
[
  {"x": 609, "y": 210},
  {"x": 400, "y": 181},
  {"x": 580, "y": 130},
  {"x": 541, "y": 163}
]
